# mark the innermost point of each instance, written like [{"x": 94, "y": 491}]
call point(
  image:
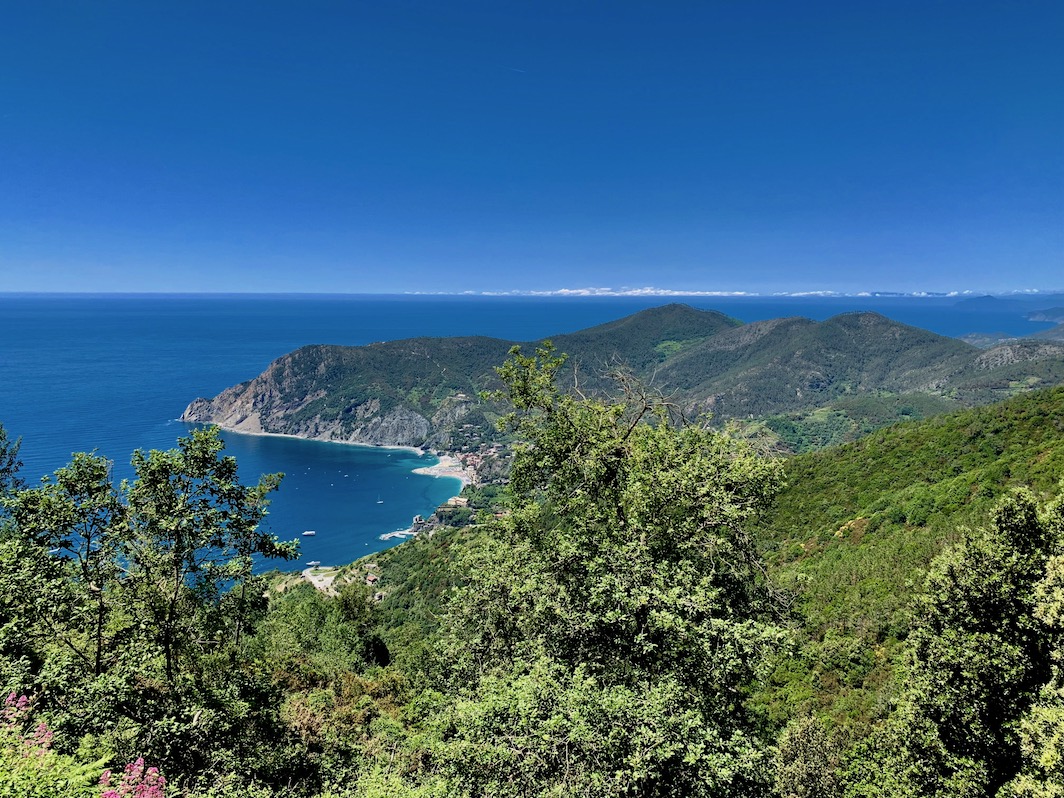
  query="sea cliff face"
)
[
  {"x": 399, "y": 427},
  {"x": 278, "y": 402}
]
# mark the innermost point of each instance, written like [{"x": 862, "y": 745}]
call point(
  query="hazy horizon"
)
[{"x": 577, "y": 293}]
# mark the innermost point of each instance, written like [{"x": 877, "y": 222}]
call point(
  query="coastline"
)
[
  {"x": 412, "y": 449},
  {"x": 448, "y": 466}
]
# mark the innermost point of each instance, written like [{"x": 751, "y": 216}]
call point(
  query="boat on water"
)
[
  {"x": 379, "y": 499},
  {"x": 309, "y": 533},
  {"x": 314, "y": 563}
]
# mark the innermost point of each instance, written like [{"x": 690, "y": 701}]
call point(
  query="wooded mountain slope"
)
[
  {"x": 615, "y": 599},
  {"x": 847, "y": 540},
  {"x": 425, "y": 391},
  {"x": 856, "y": 525}
]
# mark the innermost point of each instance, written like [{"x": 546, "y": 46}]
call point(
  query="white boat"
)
[
  {"x": 314, "y": 563},
  {"x": 379, "y": 499},
  {"x": 309, "y": 533}
]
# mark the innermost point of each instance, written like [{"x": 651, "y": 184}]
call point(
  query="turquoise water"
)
[{"x": 111, "y": 374}]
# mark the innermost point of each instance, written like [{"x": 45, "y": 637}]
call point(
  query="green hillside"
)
[
  {"x": 649, "y": 608},
  {"x": 643, "y": 341},
  {"x": 813, "y": 383},
  {"x": 851, "y": 533},
  {"x": 847, "y": 540}
]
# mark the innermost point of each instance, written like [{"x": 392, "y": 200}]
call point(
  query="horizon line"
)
[{"x": 646, "y": 292}]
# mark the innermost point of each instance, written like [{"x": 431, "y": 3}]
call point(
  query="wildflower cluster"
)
[
  {"x": 12, "y": 721},
  {"x": 29, "y": 767},
  {"x": 16, "y": 707},
  {"x": 136, "y": 782}
]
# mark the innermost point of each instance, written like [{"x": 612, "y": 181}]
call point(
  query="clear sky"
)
[{"x": 393, "y": 146}]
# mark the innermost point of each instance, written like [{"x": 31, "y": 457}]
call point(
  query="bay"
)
[{"x": 110, "y": 373}]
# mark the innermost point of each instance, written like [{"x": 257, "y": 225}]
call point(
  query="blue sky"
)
[{"x": 506, "y": 146}]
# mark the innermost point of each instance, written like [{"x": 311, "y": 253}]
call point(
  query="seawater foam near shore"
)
[{"x": 448, "y": 466}]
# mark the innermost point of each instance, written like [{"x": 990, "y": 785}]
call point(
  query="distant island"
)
[{"x": 1055, "y": 315}]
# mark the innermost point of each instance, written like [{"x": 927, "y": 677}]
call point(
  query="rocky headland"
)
[{"x": 428, "y": 393}]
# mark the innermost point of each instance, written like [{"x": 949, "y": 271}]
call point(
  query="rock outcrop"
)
[{"x": 278, "y": 402}]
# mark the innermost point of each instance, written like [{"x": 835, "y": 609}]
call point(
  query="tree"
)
[
  {"x": 9, "y": 466},
  {"x": 980, "y": 658},
  {"x": 1041, "y": 729},
  {"x": 193, "y": 531},
  {"x": 606, "y": 638},
  {"x": 77, "y": 512},
  {"x": 807, "y": 761},
  {"x": 124, "y": 607}
]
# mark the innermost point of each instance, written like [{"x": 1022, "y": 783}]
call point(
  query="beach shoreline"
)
[
  {"x": 448, "y": 466},
  {"x": 412, "y": 449}
]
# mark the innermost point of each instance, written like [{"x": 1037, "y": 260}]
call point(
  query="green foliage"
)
[
  {"x": 857, "y": 525},
  {"x": 851, "y": 417},
  {"x": 613, "y": 621},
  {"x": 980, "y": 658},
  {"x": 1041, "y": 736},
  {"x": 192, "y": 531},
  {"x": 417, "y": 579},
  {"x": 1041, "y": 731},
  {"x": 610, "y": 627},
  {"x": 807, "y": 761},
  {"x": 125, "y": 608},
  {"x": 785, "y": 365},
  {"x": 29, "y": 768},
  {"x": 78, "y": 513},
  {"x": 46, "y": 774},
  {"x": 310, "y": 639},
  {"x": 9, "y": 466}
]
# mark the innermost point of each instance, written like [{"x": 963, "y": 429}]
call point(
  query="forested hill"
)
[
  {"x": 645, "y": 609},
  {"x": 425, "y": 391},
  {"x": 847, "y": 541},
  {"x": 856, "y": 525}
]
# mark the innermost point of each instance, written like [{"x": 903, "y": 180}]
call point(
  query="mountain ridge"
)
[{"x": 425, "y": 392}]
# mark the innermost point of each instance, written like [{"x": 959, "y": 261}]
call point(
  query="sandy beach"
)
[{"x": 449, "y": 466}]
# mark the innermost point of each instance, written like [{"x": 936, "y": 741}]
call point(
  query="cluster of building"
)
[{"x": 488, "y": 461}]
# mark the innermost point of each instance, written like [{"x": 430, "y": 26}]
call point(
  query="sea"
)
[{"x": 112, "y": 373}]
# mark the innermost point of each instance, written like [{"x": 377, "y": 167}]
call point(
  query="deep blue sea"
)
[{"x": 111, "y": 373}]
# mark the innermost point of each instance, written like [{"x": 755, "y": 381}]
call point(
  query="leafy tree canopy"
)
[{"x": 610, "y": 628}]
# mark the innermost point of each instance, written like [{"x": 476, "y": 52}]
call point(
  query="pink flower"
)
[
  {"x": 41, "y": 737},
  {"x": 16, "y": 707},
  {"x": 137, "y": 782}
]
